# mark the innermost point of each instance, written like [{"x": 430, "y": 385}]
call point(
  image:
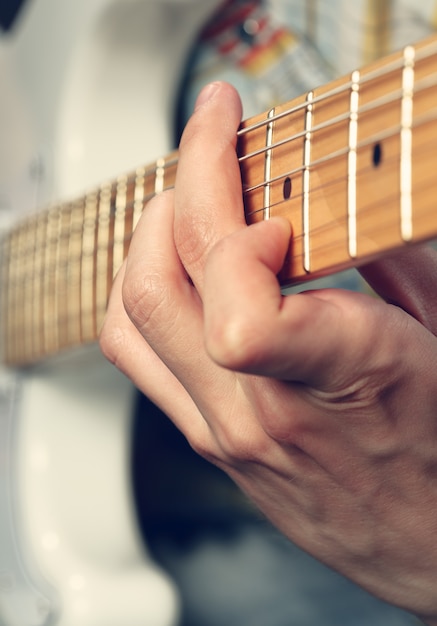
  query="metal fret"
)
[
  {"x": 139, "y": 196},
  {"x": 352, "y": 166},
  {"x": 103, "y": 227},
  {"x": 88, "y": 313},
  {"x": 268, "y": 164},
  {"x": 74, "y": 271},
  {"x": 63, "y": 278},
  {"x": 306, "y": 182},
  {"x": 119, "y": 225},
  {"x": 37, "y": 290},
  {"x": 28, "y": 278},
  {"x": 407, "y": 145},
  {"x": 51, "y": 339},
  {"x": 159, "y": 175},
  {"x": 13, "y": 329}
]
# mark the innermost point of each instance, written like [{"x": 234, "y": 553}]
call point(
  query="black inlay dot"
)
[
  {"x": 377, "y": 154},
  {"x": 287, "y": 188}
]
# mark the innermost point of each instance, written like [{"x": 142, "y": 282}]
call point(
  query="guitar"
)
[
  {"x": 328, "y": 161},
  {"x": 349, "y": 164}
]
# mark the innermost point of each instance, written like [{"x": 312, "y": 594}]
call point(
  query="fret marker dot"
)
[
  {"x": 377, "y": 154},
  {"x": 287, "y": 188}
]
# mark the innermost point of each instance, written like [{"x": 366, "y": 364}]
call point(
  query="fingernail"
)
[{"x": 206, "y": 94}]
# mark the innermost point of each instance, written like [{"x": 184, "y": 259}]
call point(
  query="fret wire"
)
[
  {"x": 139, "y": 196},
  {"x": 49, "y": 307},
  {"x": 306, "y": 182},
  {"x": 27, "y": 262},
  {"x": 388, "y": 68},
  {"x": 159, "y": 175},
  {"x": 38, "y": 278},
  {"x": 63, "y": 279},
  {"x": 13, "y": 283},
  {"x": 74, "y": 271},
  {"x": 89, "y": 330},
  {"x": 104, "y": 210},
  {"x": 268, "y": 165},
  {"x": 352, "y": 166},
  {"x": 119, "y": 224},
  {"x": 406, "y": 146}
]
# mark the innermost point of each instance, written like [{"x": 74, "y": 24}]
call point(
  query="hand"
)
[{"x": 322, "y": 406}]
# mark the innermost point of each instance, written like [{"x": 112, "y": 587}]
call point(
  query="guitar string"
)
[
  {"x": 72, "y": 230},
  {"x": 389, "y": 67},
  {"x": 59, "y": 266},
  {"x": 150, "y": 171},
  {"x": 174, "y": 162}
]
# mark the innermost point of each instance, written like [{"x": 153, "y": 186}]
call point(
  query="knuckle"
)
[
  {"x": 243, "y": 445},
  {"x": 232, "y": 343},
  {"x": 144, "y": 297},
  {"x": 114, "y": 342},
  {"x": 193, "y": 239}
]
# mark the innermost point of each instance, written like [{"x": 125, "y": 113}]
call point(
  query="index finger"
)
[{"x": 208, "y": 195}]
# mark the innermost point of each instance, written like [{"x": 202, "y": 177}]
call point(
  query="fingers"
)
[
  {"x": 124, "y": 346},
  {"x": 165, "y": 307},
  {"x": 209, "y": 196},
  {"x": 325, "y": 339}
]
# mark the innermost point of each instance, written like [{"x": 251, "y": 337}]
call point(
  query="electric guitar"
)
[{"x": 349, "y": 164}]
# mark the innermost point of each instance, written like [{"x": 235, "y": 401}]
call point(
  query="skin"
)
[{"x": 322, "y": 406}]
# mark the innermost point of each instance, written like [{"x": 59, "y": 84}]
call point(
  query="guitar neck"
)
[{"x": 350, "y": 164}]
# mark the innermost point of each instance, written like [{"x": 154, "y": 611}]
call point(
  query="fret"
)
[
  {"x": 268, "y": 164},
  {"x": 139, "y": 195},
  {"x": 74, "y": 330},
  {"x": 119, "y": 225},
  {"x": 330, "y": 161},
  {"x": 159, "y": 175},
  {"x": 378, "y": 157},
  {"x": 49, "y": 300},
  {"x": 406, "y": 207},
  {"x": 286, "y": 186},
  {"x": 20, "y": 311},
  {"x": 129, "y": 216},
  {"x": 40, "y": 226},
  {"x": 28, "y": 231},
  {"x": 102, "y": 258},
  {"x": 87, "y": 287},
  {"x": 62, "y": 274},
  {"x": 352, "y": 166},
  {"x": 424, "y": 141},
  {"x": 11, "y": 345},
  {"x": 169, "y": 174},
  {"x": 251, "y": 149},
  {"x": 306, "y": 182}
]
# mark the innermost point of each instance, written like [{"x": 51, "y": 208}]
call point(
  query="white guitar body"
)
[{"x": 88, "y": 90}]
